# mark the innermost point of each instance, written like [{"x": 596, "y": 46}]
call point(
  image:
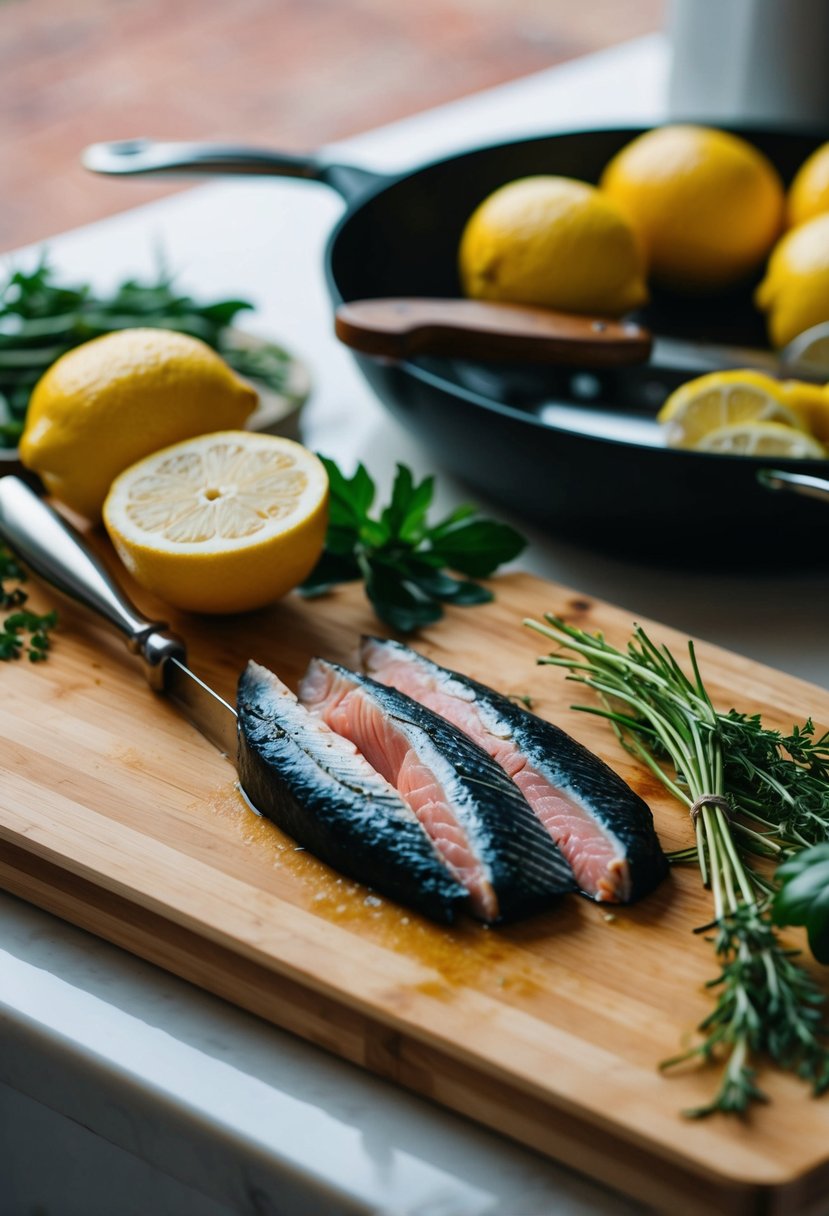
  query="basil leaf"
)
[
  {"x": 398, "y": 603},
  {"x": 803, "y": 897},
  {"x": 478, "y": 546},
  {"x": 401, "y": 496},
  {"x": 348, "y": 498},
  {"x": 442, "y": 586},
  {"x": 447, "y": 525},
  {"x": 225, "y": 311},
  {"x": 399, "y": 555},
  {"x": 331, "y": 569}
]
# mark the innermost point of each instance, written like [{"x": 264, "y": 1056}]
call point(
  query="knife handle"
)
[
  {"x": 59, "y": 555},
  {"x": 480, "y": 329}
]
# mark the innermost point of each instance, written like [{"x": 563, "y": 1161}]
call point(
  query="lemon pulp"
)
[
  {"x": 810, "y": 402},
  {"x": 762, "y": 439},
  {"x": 225, "y": 522},
  {"x": 723, "y": 399}
]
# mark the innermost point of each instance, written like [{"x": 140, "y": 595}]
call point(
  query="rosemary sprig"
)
[
  {"x": 21, "y": 632},
  {"x": 721, "y": 767}
]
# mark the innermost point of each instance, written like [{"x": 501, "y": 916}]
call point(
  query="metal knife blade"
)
[
  {"x": 682, "y": 354},
  {"x": 57, "y": 553},
  {"x": 202, "y": 707}
]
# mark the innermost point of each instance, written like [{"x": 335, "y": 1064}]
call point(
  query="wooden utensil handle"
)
[{"x": 477, "y": 329}]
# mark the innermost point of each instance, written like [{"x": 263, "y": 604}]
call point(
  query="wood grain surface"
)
[
  {"x": 118, "y": 816},
  {"x": 481, "y": 329}
]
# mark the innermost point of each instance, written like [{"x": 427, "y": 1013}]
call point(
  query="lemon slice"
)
[
  {"x": 811, "y": 346},
  {"x": 761, "y": 439},
  {"x": 225, "y": 522},
  {"x": 811, "y": 404},
  {"x": 723, "y": 399}
]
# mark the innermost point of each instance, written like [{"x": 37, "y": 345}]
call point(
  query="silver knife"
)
[
  {"x": 57, "y": 553},
  {"x": 681, "y": 354}
]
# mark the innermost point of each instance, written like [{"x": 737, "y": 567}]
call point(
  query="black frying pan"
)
[{"x": 486, "y": 423}]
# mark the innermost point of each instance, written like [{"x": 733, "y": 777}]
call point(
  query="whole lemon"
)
[
  {"x": 795, "y": 290},
  {"x": 707, "y": 205},
  {"x": 553, "y": 242},
  {"x": 105, "y": 404},
  {"x": 809, "y": 192}
]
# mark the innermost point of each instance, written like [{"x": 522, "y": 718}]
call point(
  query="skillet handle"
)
[
  {"x": 128, "y": 157},
  {"x": 140, "y": 157},
  {"x": 794, "y": 483},
  {"x": 477, "y": 329}
]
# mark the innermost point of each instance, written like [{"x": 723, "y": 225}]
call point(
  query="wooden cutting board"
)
[{"x": 118, "y": 816}]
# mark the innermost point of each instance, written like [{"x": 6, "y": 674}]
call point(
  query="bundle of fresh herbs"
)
[
  {"x": 403, "y": 558},
  {"x": 41, "y": 318},
  {"x": 752, "y": 793}
]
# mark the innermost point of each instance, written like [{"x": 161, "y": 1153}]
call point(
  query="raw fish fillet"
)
[
  {"x": 602, "y": 827},
  {"x": 477, "y": 817},
  {"x": 318, "y": 788}
]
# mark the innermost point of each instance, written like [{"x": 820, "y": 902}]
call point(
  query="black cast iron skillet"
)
[{"x": 502, "y": 428}]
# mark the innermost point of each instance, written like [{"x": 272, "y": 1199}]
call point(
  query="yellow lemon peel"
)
[
  {"x": 723, "y": 399},
  {"x": 795, "y": 291},
  {"x": 707, "y": 205},
  {"x": 225, "y": 522},
  {"x": 105, "y": 404},
  {"x": 553, "y": 242},
  {"x": 808, "y": 194}
]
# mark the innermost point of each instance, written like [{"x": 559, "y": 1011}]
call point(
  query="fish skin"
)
[
  {"x": 322, "y": 792},
  {"x": 621, "y": 816},
  {"x": 525, "y": 869}
]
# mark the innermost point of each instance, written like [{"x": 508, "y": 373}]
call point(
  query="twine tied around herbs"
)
[{"x": 708, "y": 800}]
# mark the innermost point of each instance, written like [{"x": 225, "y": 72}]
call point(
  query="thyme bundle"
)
[{"x": 753, "y": 793}]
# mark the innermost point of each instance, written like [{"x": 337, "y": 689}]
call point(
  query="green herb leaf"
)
[
  {"x": 349, "y": 498},
  {"x": 21, "y": 622},
  {"x": 330, "y": 570},
  {"x": 403, "y": 559},
  {"x": 477, "y": 547},
  {"x": 405, "y": 516},
  {"x": 803, "y": 898},
  {"x": 443, "y": 586},
  {"x": 41, "y": 318},
  {"x": 400, "y": 603},
  {"x": 777, "y": 794}
]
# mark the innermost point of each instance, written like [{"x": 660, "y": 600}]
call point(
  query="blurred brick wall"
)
[{"x": 291, "y": 73}]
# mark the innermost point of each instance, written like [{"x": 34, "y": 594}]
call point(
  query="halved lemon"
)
[
  {"x": 811, "y": 404},
  {"x": 812, "y": 346},
  {"x": 761, "y": 439},
  {"x": 225, "y": 522},
  {"x": 723, "y": 399}
]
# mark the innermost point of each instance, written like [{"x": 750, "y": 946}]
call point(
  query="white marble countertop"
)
[{"x": 152, "y": 1096}]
